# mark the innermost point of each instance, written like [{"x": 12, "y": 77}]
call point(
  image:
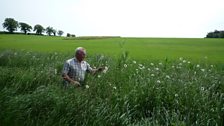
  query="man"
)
[{"x": 74, "y": 69}]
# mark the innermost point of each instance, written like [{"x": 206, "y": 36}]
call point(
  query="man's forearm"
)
[{"x": 66, "y": 77}]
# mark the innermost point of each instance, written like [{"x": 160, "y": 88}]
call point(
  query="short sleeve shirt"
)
[{"x": 76, "y": 70}]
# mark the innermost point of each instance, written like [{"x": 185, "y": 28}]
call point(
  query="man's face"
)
[{"x": 80, "y": 55}]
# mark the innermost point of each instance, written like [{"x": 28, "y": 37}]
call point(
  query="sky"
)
[{"x": 126, "y": 18}]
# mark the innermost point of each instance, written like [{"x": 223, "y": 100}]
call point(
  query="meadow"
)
[
  {"x": 150, "y": 81},
  {"x": 195, "y": 49}
]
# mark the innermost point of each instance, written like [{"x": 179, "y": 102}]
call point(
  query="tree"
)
[
  {"x": 49, "y": 30},
  {"x": 60, "y": 32},
  {"x": 24, "y": 27},
  {"x": 39, "y": 29},
  {"x": 54, "y": 32},
  {"x": 215, "y": 34},
  {"x": 10, "y": 24}
]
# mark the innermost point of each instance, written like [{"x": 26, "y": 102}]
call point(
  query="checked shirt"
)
[{"x": 76, "y": 70}]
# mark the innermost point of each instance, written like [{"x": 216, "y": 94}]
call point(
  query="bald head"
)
[{"x": 80, "y": 53}]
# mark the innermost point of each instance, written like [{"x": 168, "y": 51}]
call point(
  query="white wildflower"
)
[
  {"x": 105, "y": 69},
  {"x": 181, "y": 58},
  {"x": 184, "y": 61},
  {"x": 114, "y": 88},
  {"x": 125, "y": 65},
  {"x": 203, "y": 70},
  {"x": 140, "y": 65},
  {"x": 158, "y": 81},
  {"x": 188, "y": 62},
  {"x": 149, "y": 69},
  {"x": 101, "y": 57},
  {"x": 167, "y": 76},
  {"x": 87, "y": 86},
  {"x": 152, "y": 64},
  {"x": 198, "y": 65},
  {"x": 160, "y": 63},
  {"x": 55, "y": 71},
  {"x": 176, "y": 95},
  {"x": 99, "y": 76},
  {"x": 134, "y": 62},
  {"x": 157, "y": 68},
  {"x": 173, "y": 66},
  {"x": 212, "y": 66},
  {"x": 202, "y": 88},
  {"x": 152, "y": 75}
]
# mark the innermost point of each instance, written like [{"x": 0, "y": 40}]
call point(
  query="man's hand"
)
[
  {"x": 75, "y": 83},
  {"x": 100, "y": 69}
]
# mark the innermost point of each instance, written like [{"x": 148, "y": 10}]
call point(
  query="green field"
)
[
  {"x": 140, "y": 89},
  {"x": 196, "y": 49}
]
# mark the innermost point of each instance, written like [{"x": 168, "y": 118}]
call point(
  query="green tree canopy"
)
[
  {"x": 10, "y": 24},
  {"x": 54, "y": 32},
  {"x": 215, "y": 34},
  {"x": 39, "y": 29},
  {"x": 24, "y": 27},
  {"x": 49, "y": 30},
  {"x": 60, "y": 32}
]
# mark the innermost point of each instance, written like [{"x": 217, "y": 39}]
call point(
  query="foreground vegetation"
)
[{"x": 131, "y": 92}]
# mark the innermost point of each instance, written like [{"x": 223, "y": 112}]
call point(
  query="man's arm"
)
[
  {"x": 95, "y": 71},
  {"x": 67, "y": 78}
]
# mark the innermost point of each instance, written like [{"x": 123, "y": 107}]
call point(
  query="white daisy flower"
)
[
  {"x": 105, "y": 69},
  {"x": 55, "y": 71},
  {"x": 167, "y": 76},
  {"x": 125, "y": 65},
  {"x": 157, "y": 68},
  {"x": 87, "y": 86}
]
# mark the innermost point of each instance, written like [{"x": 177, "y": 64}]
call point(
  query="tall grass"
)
[{"x": 132, "y": 92}]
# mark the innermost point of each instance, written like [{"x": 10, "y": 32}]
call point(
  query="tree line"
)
[
  {"x": 11, "y": 25},
  {"x": 215, "y": 34}
]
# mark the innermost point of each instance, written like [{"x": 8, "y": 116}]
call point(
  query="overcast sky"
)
[{"x": 127, "y": 18}]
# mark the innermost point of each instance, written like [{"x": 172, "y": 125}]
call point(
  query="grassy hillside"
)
[{"x": 194, "y": 49}]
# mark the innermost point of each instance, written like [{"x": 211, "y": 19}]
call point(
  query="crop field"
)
[
  {"x": 149, "y": 81},
  {"x": 196, "y": 49}
]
